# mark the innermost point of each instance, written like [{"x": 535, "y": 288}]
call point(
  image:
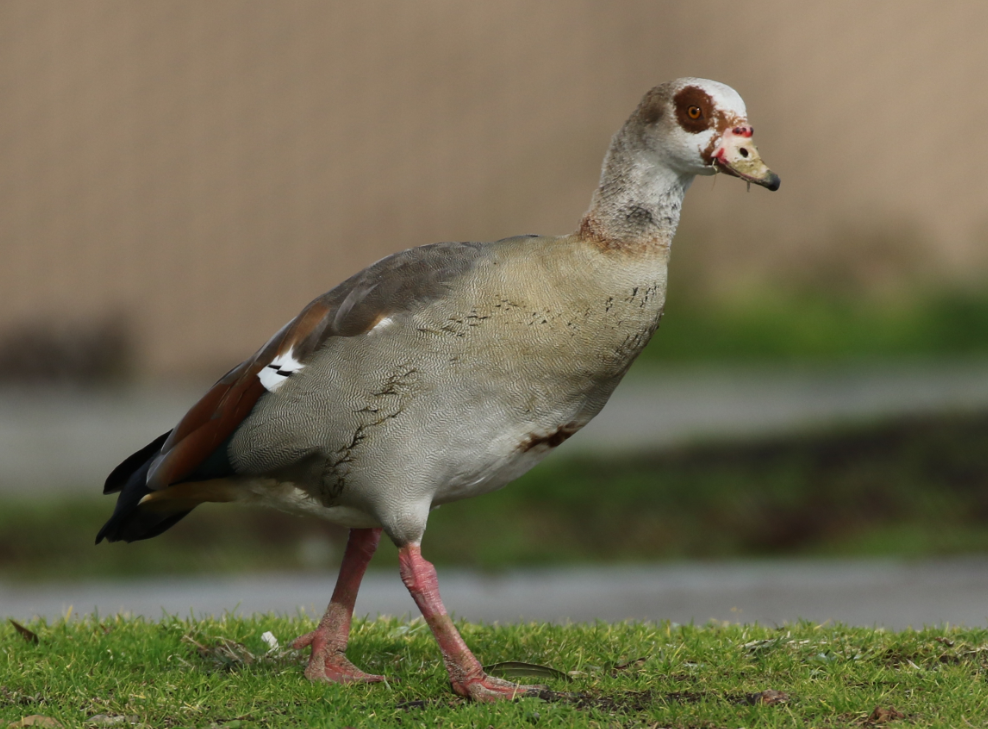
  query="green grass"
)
[
  {"x": 813, "y": 327},
  {"x": 176, "y": 673},
  {"x": 908, "y": 488}
]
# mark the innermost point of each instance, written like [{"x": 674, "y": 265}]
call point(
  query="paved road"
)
[
  {"x": 683, "y": 405},
  {"x": 71, "y": 439},
  {"x": 893, "y": 594}
]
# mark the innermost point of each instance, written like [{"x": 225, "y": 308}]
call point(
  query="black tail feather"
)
[
  {"x": 121, "y": 474},
  {"x": 131, "y": 521}
]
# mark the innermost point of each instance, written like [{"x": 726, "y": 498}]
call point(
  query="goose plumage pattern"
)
[{"x": 444, "y": 372}]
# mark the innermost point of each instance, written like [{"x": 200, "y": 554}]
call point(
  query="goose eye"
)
[{"x": 694, "y": 112}]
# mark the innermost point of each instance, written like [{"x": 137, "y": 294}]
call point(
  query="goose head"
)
[{"x": 696, "y": 126}]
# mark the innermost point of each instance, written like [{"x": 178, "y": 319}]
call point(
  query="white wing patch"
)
[
  {"x": 383, "y": 324},
  {"x": 281, "y": 368}
]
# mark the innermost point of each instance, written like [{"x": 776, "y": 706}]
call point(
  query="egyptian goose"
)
[{"x": 443, "y": 372}]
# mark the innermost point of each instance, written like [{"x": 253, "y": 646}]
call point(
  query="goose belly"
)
[{"x": 491, "y": 471}]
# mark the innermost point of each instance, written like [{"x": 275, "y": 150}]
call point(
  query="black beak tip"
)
[{"x": 773, "y": 182}]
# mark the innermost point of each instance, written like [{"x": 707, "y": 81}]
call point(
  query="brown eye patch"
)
[{"x": 694, "y": 109}]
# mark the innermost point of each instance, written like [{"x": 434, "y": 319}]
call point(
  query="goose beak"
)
[{"x": 736, "y": 155}]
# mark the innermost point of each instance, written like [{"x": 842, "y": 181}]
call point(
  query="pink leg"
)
[
  {"x": 328, "y": 661},
  {"x": 465, "y": 673}
]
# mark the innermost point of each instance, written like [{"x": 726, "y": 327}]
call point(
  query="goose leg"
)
[
  {"x": 465, "y": 672},
  {"x": 328, "y": 661}
]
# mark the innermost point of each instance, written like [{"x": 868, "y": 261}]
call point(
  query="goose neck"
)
[{"x": 638, "y": 202}]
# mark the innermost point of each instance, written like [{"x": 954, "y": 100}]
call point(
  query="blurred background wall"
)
[{"x": 178, "y": 178}]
